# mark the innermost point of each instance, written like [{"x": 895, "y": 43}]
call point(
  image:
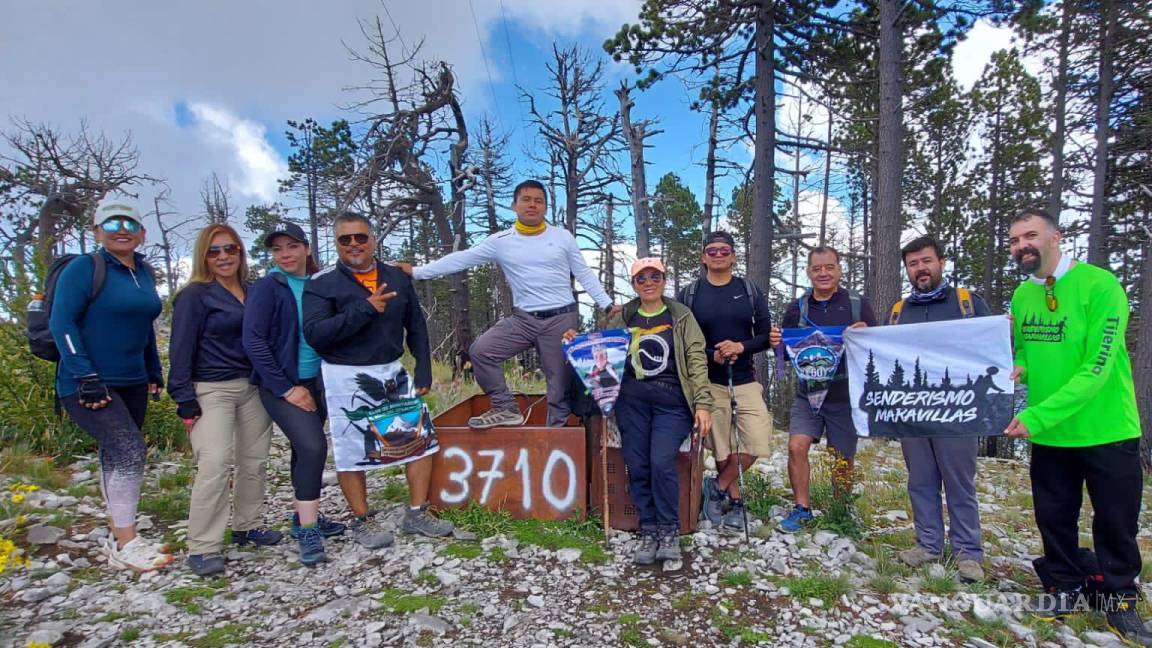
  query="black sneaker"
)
[
  {"x": 1057, "y": 604},
  {"x": 1125, "y": 620},
  {"x": 328, "y": 528}
]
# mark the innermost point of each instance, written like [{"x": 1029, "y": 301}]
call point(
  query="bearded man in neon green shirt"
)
[{"x": 1069, "y": 320}]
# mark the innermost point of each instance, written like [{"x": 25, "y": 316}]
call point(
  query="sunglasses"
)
[
  {"x": 719, "y": 251},
  {"x": 655, "y": 277},
  {"x": 113, "y": 225},
  {"x": 231, "y": 249},
  {"x": 1050, "y": 294},
  {"x": 346, "y": 239}
]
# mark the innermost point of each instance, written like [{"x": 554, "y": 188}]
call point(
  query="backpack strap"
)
[
  {"x": 967, "y": 309},
  {"x": 753, "y": 292},
  {"x": 99, "y": 274},
  {"x": 690, "y": 293},
  {"x": 897, "y": 308},
  {"x": 803, "y": 303},
  {"x": 857, "y": 305}
]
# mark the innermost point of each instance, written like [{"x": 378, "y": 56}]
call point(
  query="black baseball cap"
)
[
  {"x": 719, "y": 237},
  {"x": 286, "y": 229}
]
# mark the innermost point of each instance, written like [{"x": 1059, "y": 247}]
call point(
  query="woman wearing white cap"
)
[{"x": 102, "y": 316}]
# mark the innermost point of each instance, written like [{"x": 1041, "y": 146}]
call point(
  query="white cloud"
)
[{"x": 258, "y": 165}]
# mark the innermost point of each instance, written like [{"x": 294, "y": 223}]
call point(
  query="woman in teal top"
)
[{"x": 287, "y": 370}]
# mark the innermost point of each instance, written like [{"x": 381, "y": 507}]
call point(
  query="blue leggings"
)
[{"x": 651, "y": 434}]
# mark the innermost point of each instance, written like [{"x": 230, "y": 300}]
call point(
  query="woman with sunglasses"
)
[
  {"x": 209, "y": 379},
  {"x": 109, "y": 365},
  {"x": 287, "y": 371},
  {"x": 664, "y": 398}
]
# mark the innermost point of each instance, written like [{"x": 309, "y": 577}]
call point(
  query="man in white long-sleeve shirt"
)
[{"x": 539, "y": 262}]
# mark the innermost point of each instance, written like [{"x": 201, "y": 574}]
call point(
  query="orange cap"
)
[{"x": 647, "y": 262}]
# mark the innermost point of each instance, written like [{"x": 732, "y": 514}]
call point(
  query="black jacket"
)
[
  {"x": 206, "y": 346},
  {"x": 343, "y": 328},
  {"x": 947, "y": 307},
  {"x": 272, "y": 334}
]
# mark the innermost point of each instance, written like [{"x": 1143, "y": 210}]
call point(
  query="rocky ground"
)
[{"x": 501, "y": 583}]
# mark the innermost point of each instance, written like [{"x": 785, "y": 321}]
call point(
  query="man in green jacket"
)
[{"x": 1069, "y": 325}]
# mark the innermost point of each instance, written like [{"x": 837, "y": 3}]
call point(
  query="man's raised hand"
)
[
  {"x": 379, "y": 299},
  {"x": 405, "y": 266}
]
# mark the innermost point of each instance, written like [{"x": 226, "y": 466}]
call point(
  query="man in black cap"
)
[{"x": 733, "y": 313}]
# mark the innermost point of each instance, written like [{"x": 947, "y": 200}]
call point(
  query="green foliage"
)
[
  {"x": 739, "y": 578},
  {"x": 758, "y": 496},
  {"x": 226, "y": 635},
  {"x": 563, "y": 534},
  {"x": 129, "y": 634},
  {"x": 824, "y": 587},
  {"x": 676, "y": 224},
  {"x": 864, "y": 641},
  {"x": 401, "y": 603},
  {"x": 188, "y": 596}
]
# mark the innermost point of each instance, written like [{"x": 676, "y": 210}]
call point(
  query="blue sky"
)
[{"x": 207, "y": 87}]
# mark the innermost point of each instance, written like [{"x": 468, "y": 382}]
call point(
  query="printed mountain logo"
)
[{"x": 1038, "y": 329}]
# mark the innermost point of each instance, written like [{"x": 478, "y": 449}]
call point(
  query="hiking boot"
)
[
  {"x": 1125, "y": 620},
  {"x": 138, "y": 555},
  {"x": 646, "y": 552},
  {"x": 496, "y": 418},
  {"x": 668, "y": 546},
  {"x": 734, "y": 518},
  {"x": 311, "y": 541},
  {"x": 1059, "y": 604},
  {"x": 420, "y": 521},
  {"x": 368, "y": 533},
  {"x": 713, "y": 502},
  {"x": 206, "y": 564},
  {"x": 260, "y": 537},
  {"x": 917, "y": 556},
  {"x": 969, "y": 570},
  {"x": 328, "y": 528},
  {"x": 796, "y": 520}
]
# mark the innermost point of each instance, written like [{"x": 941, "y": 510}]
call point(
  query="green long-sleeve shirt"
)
[{"x": 1075, "y": 360}]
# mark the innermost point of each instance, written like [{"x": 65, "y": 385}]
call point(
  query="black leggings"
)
[
  {"x": 117, "y": 430},
  {"x": 305, "y": 431}
]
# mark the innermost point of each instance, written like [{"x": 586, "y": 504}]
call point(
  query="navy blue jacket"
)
[
  {"x": 343, "y": 328},
  {"x": 206, "y": 345},
  {"x": 947, "y": 307},
  {"x": 272, "y": 334},
  {"x": 112, "y": 337}
]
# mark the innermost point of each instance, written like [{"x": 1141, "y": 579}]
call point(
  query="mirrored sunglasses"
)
[
  {"x": 346, "y": 239},
  {"x": 231, "y": 249},
  {"x": 718, "y": 251},
  {"x": 655, "y": 277},
  {"x": 113, "y": 225}
]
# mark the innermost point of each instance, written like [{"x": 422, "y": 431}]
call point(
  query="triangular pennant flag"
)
[
  {"x": 815, "y": 353},
  {"x": 598, "y": 357}
]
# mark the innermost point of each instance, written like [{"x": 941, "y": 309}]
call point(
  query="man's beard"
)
[
  {"x": 1032, "y": 265},
  {"x": 934, "y": 283}
]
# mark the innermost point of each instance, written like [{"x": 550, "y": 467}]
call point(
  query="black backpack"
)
[{"x": 39, "y": 311}]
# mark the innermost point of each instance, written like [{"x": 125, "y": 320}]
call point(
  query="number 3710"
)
[{"x": 494, "y": 473}]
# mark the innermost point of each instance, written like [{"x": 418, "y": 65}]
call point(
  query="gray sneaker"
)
[
  {"x": 421, "y": 522},
  {"x": 734, "y": 518},
  {"x": 713, "y": 502},
  {"x": 917, "y": 556},
  {"x": 649, "y": 545},
  {"x": 668, "y": 547},
  {"x": 970, "y": 571},
  {"x": 370, "y": 534},
  {"x": 496, "y": 418}
]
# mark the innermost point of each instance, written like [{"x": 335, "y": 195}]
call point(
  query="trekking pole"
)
[
  {"x": 736, "y": 444},
  {"x": 604, "y": 472}
]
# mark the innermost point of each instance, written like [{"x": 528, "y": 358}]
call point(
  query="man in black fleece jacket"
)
[{"x": 359, "y": 312}]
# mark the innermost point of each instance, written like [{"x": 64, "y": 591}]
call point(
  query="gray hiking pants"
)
[
  {"x": 514, "y": 335},
  {"x": 950, "y": 461}
]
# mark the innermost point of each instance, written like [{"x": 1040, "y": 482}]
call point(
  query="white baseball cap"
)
[{"x": 110, "y": 208}]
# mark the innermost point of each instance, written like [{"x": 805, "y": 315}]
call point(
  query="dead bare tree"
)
[
  {"x": 216, "y": 197},
  {"x": 634, "y": 136},
  {"x": 51, "y": 180},
  {"x": 166, "y": 249},
  {"x": 581, "y": 140},
  {"x": 409, "y": 126}
]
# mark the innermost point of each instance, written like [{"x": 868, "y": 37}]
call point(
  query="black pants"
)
[
  {"x": 650, "y": 436},
  {"x": 1115, "y": 485},
  {"x": 305, "y": 432}
]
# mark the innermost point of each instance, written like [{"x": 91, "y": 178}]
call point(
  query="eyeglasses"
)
[
  {"x": 113, "y": 225},
  {"x": 718, "y": 251},
  {"x": 231, "y": 249},
  {"x": 655, "y": 277},
  {"x": 346, "y": 239},
  {"x": 1050, "y": 293}
]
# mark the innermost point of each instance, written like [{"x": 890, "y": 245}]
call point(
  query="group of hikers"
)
[{"x": 246, "y": 354}]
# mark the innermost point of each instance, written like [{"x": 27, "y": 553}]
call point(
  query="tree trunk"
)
[
  {"x": 995, "y": 190},
  {"x": 608, "y": 253},
  {"x": 827, "y": 179},
  {"x": 634, "y": 136},
  {"x": 1097, "y": 232},
  {"x": 1142, "y": 362},
  {"x": 710, "y": 170},
  {"x": 764, "y": 164},
  {"x": 1060, "y": 85},
  {"x": 503, "y": 305},
  {"x": 890, "y": 137}
]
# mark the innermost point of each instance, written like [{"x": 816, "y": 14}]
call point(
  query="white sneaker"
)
[{"x": 138, "y": 555}]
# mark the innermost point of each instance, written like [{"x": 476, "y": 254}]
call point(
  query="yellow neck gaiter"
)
[{"x": 530, "y": 230}]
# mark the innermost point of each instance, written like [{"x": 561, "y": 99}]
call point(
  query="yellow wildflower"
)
[{"x": 18, "y": 498}]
